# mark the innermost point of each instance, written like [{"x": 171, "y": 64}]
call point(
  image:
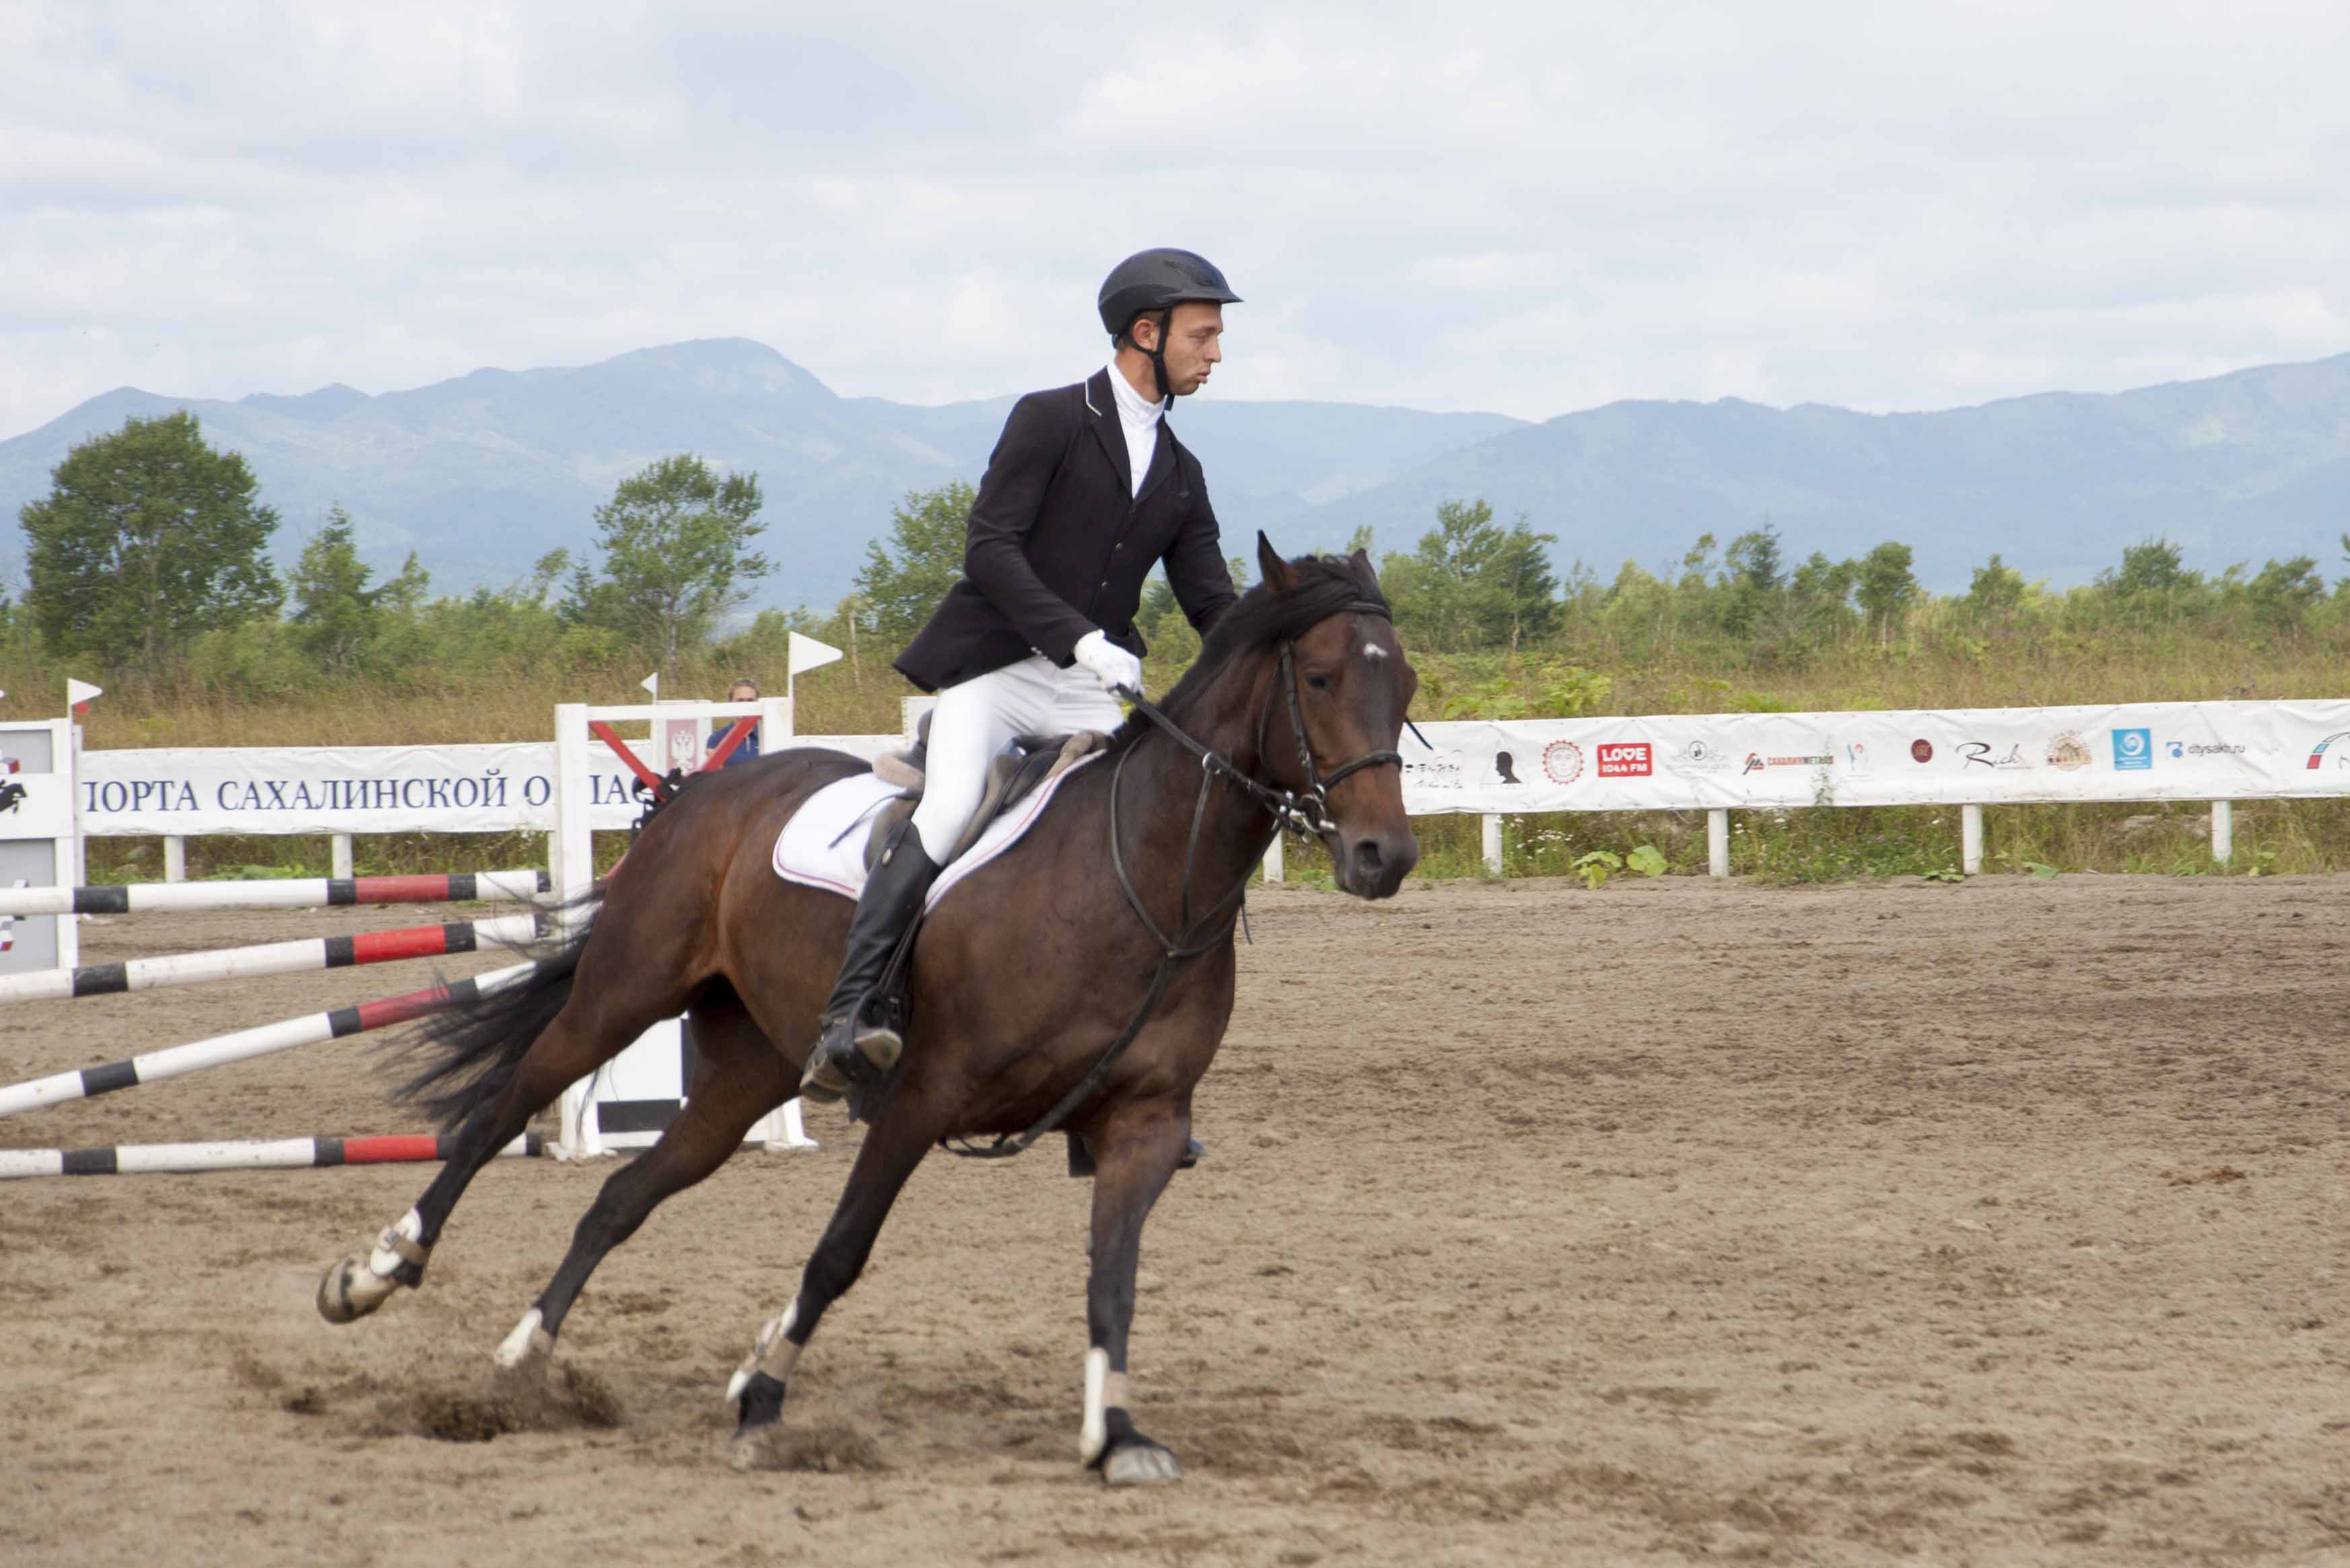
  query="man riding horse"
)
[{"x": 1086, "y": 490}]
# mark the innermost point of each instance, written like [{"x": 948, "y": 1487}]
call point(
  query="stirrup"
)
[{"x": 852, "y": 1051}]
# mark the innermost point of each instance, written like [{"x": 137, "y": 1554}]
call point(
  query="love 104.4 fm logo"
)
[{"x": 1625, "y": 760}]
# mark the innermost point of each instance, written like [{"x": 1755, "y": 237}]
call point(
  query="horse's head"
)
[{"x": 1340, "y": 698}]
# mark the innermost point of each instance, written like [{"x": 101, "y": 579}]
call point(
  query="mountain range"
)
[{"x": 482, "y": 473}]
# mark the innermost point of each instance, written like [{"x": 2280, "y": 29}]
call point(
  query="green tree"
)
[
  {"x": 676, "y": 538},
  {"x": 147, "y": 538},
  {"x": 1884, "y": 587},
  {"x": 1472, "y": 583},
  {"x": 902, "y": 583},
  {"x": 2285, "y": 591},
  {"x": 338, "y": 620},
  {"x": 1997, "y": 589}
]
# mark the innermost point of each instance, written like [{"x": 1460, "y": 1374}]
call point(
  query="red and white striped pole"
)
[
  {"x": 297, "y": 893},
  {"x": 279, "y": 1153},
  {"x": 272, "y": 958},
  {"x": 175, "y": 1060}
]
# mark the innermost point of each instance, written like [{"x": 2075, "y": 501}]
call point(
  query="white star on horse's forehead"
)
[{"x": 1373, "y": 650}]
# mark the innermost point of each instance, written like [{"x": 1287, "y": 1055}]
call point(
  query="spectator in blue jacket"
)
[{"x": 744, "y": 690}]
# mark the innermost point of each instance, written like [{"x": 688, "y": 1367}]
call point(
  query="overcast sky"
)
[{"x": 1529, "y": 208}]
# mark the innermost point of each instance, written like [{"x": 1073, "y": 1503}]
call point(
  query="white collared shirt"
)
[{"x": 1139, "y": 417}]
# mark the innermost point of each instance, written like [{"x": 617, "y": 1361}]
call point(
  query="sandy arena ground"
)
[{"x": 1991, "y": 1224}]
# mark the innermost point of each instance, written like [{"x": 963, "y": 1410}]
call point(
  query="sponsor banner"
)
[
  {"x": 375, "y": 789},
  {"x": 2168, "y": 751},
  {"x": 2178, "y": 751}
]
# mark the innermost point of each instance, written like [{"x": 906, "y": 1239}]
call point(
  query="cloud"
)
[{"x": 1527, "y": 207}]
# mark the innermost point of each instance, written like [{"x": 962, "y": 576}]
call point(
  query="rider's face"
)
[{"x": 1194, "y": 344}]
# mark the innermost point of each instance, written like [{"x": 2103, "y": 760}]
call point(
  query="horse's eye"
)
[{"x": 1319, "y": 682}]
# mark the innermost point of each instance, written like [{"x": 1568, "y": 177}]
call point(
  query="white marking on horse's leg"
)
[
  {"x": 529, "y": 1338},
  {"x": 1093, "y": 1435},
  {"x": 771, "y": 1353},
  {"x": 386, "y": 1258}
]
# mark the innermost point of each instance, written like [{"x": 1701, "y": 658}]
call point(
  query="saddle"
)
[{"x": 1011, "y": 778}]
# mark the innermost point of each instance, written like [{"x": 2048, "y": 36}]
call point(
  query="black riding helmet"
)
[{"x": 1159, "y": 280}]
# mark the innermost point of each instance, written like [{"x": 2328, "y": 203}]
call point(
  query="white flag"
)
[
  {"x": 808, "y": 653},
  {"x": 653, "y": 683},
  {"x": 80, "y": 692}
]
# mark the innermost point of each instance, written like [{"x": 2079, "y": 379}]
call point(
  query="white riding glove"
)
[{"x": 1111, "y": 665}]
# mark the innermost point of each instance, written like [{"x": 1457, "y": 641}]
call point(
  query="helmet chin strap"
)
[{"x": 1158, "y": 356}]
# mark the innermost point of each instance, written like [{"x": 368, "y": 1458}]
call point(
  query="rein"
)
[{"x": 1304, "y": 813}]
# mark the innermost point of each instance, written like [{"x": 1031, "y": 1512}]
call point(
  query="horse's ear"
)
[
  {"x": 1271, "y": 566},
  {"x": 1365, "y": 572}
]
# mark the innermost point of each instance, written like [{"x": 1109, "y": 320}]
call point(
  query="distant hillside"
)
[
  {"x": 2243, "y": 467},
  {"x": 484, "y": 474}
]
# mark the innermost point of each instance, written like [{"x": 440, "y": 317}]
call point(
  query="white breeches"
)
[{"x": 974, "y": 721}]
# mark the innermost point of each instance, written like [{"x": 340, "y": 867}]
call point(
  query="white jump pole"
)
[
  {"x": 2223, "y": 831},
  {"x": 175, "y": 1059},
  {"x": 279, "y": 1153},
  {"x": 299, "y": 893},
  {"x": 1717, "y": 841},
  {"x": 1971, "y": 840},
  {"x": 272, "y": 958},
  {"x": 1489, "y": 838},
  {"x": 175, "y": 857}
]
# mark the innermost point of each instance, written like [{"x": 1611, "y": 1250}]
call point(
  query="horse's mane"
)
[{"x": 1260, "y": 618}]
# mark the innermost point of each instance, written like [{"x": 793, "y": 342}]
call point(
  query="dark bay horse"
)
[{"x": 1021, "y": 978}]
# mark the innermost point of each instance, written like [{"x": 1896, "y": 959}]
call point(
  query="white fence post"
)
[
  {"x": 575, "y": 870},
  {"x": 2223, "y": 831},
  {"x": 1717, "y": 841},
  {"x": 1971, "y": 840},
  {"x": 1273, "y": 863},
  {"x": 341, "y": 852},
  {"x": 175, "y": 857},
  {"x": 1489, "y": 841}
]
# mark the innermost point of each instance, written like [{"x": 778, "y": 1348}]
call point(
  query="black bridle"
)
[{"x": 1305, "y": 813}]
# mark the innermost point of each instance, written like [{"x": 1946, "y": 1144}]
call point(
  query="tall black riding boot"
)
[{"x": 892, "y": 896}]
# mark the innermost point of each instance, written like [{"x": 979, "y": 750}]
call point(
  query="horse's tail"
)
[{"x": 465, "y": 1056}]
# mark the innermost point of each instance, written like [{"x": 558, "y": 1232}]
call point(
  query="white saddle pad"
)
[{"x": 822, "y": 846}]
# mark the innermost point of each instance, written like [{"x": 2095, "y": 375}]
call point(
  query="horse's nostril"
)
[{"x": 1367, "y": 858}]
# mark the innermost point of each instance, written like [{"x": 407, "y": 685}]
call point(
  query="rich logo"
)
[
  {"x": 2133, "y": 750},
  {"x": 1979, "y": 751},
  {"x": 1754, "y": 763},
  {"x": 2069, "y": 752},
  {"x": 2341, "y": 757},
  {"x": 1856, "y": 754},
  {"x": 1505, "y": 765},
  {"x": 1562, "y": 762},
  {"x": 1625, "y": 760},
  {"x": 1922, "y": 750}
]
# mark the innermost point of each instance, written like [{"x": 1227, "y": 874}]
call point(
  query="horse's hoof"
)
[
  {"x": 758, "y": 1400},
  {"x": 1138, "y": 1461},
  {"x": 352, "y": 1290},
  {"x": 524, "y": 1354}
]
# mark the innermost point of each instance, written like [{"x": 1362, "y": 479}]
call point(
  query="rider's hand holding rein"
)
[{"x": 1117, "y": 670}]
